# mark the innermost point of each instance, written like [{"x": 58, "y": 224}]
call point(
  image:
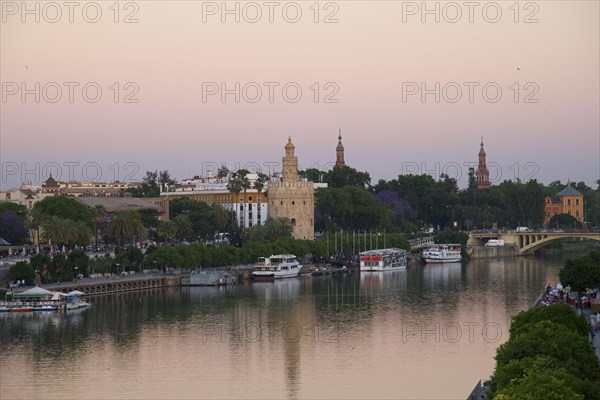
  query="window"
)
[
  {"x": 293, "y": 221},
  {"x": 293, "y": 202},
  {"x": 568, "y": 202},
  {"x": 576, "y": 202},
  {"x": 249, "y": 198},
  {"x": 281, "y": 202}
]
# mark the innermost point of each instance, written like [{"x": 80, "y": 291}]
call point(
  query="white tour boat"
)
[
  {"x": 382, "y": 260},
  {"x": 441, "y": 253},
  {"x": 275, "y": 267}
]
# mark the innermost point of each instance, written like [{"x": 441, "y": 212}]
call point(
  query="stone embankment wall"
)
[{"x": 476, "y": 252}]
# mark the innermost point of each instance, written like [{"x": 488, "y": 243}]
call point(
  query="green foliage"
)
[
  {"x": 547, "y": 356},
  {"x": 150, "y": 186},
  {"x": 558, "y": 313},
  {"x": 23, "y": 270},
  {"x": 59, "y": 230},
  {"x": 565, "y": 221},
  {"x": 206, "y": 219},
  {"x": 149, "y": 217},
  {"x": 582, "y": 272},
  {"x": 42, "y": 263},
  {"x": 101, "y": 265},
  {"x": 79, "y": 259},
  {"x": 183, "y": 226},
  {"x": 13, "y": 208},
  {"x": 66, "y": 208},
  {"x": 543, "y": 384},
  {"x": 351, "y": 208},
  {"x": 129, "y": 258},
  {"x": 126, "y": 226}
]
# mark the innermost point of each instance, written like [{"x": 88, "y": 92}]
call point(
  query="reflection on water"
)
[{"x": 343, "y": 336}]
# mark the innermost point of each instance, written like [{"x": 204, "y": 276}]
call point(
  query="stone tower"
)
[
  {"x": 292, "y": 198},
  {"x": 339, "y": 152},
  {"x": 482, "y": 175}
]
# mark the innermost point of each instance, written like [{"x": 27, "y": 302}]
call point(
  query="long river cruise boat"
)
[
  {"x": 276, "y": 267},
  {"x": 382, "y": 260},
  {"x": 442, "y": 253}
]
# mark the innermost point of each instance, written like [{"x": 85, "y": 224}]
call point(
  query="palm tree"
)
[
  {"x": 183, "y": 226},
  {"x": 235, "y": 187},
  {"x": 259, "y": 185},
  {"x": 245, "y": 183},
  {"x": 35, "y": 219},
  {"x": 58, "y": 230},
  {"x": 99, "y": 212},
  {"x": 276, "y": 228},
  {"x": 83, "y": 233},
  {"x": 126, "y": 226},
  {"x": 166, "y": 229},
  {"x": 220, "y": 217}
]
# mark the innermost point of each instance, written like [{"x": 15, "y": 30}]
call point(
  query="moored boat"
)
[
  {"x": 276, "y": 267},
  {"x": 22, "y": 308},
  {"x": 382, "y": 260},
  {"x": 442, "y": 253},
  {"x": 44, "y": 308}
]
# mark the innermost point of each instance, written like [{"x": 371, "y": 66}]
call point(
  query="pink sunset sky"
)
[{"x": 370, "y": 60}]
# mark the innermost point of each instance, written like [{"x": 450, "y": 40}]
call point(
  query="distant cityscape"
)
[{"x": 254, "y": 197}]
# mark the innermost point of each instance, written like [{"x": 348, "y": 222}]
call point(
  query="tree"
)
[
  {"x": 235, "y": 187},
  {"x": 67, "y": 208},
  {"x": 259, "y": 185},
  {"x": 23, "y": 270},
  {"x": 472, "y": 181},
  {"x": 582, "y": 272},
  {"x": 242, "y": 175},
  {"x": 41, "y": 263},
  {"x": 35, "y": 219},
  {"x": 151, "y": 184},
  {"x": 183, "y": 226},
  {"x": 99, "y": 214},
  {"x": 12, "y": 228},
  {"x": 166, "y": 229},
  {"x": 126, "y": 226},
  {"x": 547, "y": 356},
  {"x": 58, "y": 230},
  {"x": 13, "y": 208},
  {"x": 351, "y": 208},
  {"x": 313, "y": 174},
  {"x": 339, "y": 177},
  {"x": 276, "y": 228},
  {"x": 78, "y": 261},
  {"x": 565, "y": 221},
  {"x": 222, "y": 172},
  {"x": 83, "y": 234}
]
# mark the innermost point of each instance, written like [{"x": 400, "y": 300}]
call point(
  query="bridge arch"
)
[{"x": 530, "y": 243}]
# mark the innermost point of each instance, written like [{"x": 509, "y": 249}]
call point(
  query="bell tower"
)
[
  {"x": 289, "y": 163},
  {"x": 339, "y": 152},
  {"x": 482, "y": 175}
]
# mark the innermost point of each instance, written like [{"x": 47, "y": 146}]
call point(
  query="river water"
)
[{"x": 427, "y": 332}]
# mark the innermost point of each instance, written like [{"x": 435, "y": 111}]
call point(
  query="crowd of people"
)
[{"x": 558, "y": 295}]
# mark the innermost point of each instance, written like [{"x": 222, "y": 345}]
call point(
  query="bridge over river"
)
[{"x": 528, "y": 242}]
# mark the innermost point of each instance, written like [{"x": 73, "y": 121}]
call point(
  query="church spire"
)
[
  {"x": 482, "y": 175},
  {"x": 339, "y": 152}
]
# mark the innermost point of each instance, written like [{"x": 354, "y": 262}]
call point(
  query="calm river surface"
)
[{"x": 427, "y": 332}]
